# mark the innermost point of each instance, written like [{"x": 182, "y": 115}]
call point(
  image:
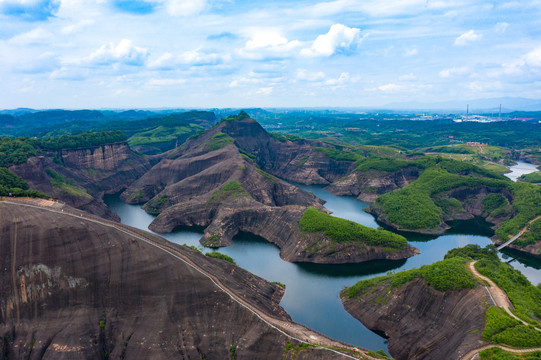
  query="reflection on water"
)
[
  {"x": 521, "y": 168},
  {"x": 312, "y": 290}
]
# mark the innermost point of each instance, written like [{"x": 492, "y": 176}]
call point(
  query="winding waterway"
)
[
  {"x": 312, "y": 290},
  {"x": 521, "y": 168}
]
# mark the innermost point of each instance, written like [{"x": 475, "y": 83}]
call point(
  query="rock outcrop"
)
[
  {"x": 80, "y": 177},
  {"x": 214, "y": 181},
  {"x": 421, "y": 322},
  {"x": 76, "y": 289}
]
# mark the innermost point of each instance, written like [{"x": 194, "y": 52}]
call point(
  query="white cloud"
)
[
  {"x": 342, "y": 79},
  {"x": 446, "y": 73},
  {"x": 305, "y": 75},
  {"x": 407, "y": 77},
  {"x": 267, "y": 44},
  {"x": 467, "y": 37},
  {"x": 125, "y": 52},
  {"x": 264, "y": 91},
  {"x": 168, "y": 61},
  {"x": 478, "y": 86},
  {"x": 339, "y": 38},
  {"x": 185, "y": 7},
  {"x": 70, "y": 29},
  {"x": 164, "y": 82},
  {"x": 533, "y": 58},
  {"x": 411, "y": 52},
  {"x": 390, "y": 87},
  {"x": 37, "y": 36}
]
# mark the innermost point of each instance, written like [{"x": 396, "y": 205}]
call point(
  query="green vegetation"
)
[
  {"x": 218, "y": 141},
  {"x": 102, "y": 324},
  {"x": 192, "y": 247},
  {"x": 501, "y": 328},
  {"x": 266, "y": 175},
  {"x": 67, "y": 185},
  {"x": 412, "y": 207},
  {"x": 527, "y": 206},
  {"x": 380, "y": 354},
  {"x": 231, "y": 189},
  {"x": 16, "y": 151},
  {"x": 295, "y": 350},
  {"x": 232, "y": 351},
  {"x": 218, "y": 255},
  {"x": 279, "y": 284},
  {"x": 448, "y": 274},
  {"x": 10, "y": 180},
  {"x": 302, "y": 161},
  {"x": 492, "y": 202},
  {"x": 339, "y": 155},
  {"x": 387, "y": 165},
  {"x": 534, "y": 178},
  {"x": 340, "y": 230},
  {"x": 532, "y": 235},
  {"x": 162, "y": 135},
  {"x": 154, "y": 206},
  {"x": 525, "y": 297},
  {"x": 474, "y": 252},
  {"x": 241, "y": 116},
  {"x": 88, "y": 139},
  {"x": 499, "y": 354}
]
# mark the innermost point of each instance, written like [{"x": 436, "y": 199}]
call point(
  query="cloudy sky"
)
[{"x": 240, "y": 53}]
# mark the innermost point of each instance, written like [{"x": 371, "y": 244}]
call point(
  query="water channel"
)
[{"x": 312, "y": 290}]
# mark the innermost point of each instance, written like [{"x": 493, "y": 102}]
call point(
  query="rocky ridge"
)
[{"x": 75, "y": 289}]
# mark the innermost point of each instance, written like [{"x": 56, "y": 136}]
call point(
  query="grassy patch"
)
[
  {"x": 218, "y": 255},
  {"x": 154, "y": 206},
  {"x": 218, "y": 141},
  {"x": 266, "y": 175},
  {"x": 229, "y": 190},
  {"x": 534, "y": 178},
  {"x": 68, "y": 185},
  {"x": 499, "y": 354},
  {"x": 279, "y": 284},
  {"x": 503, "y": 329},
  {"x": 341, "y": 230}
]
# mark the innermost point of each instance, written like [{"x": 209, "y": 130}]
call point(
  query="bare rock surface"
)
[
  {"x": 421, "y": 322},
  {"x": 73, "y": 289}
]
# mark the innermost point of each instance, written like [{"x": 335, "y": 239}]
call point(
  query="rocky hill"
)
[
  {"x": 216, "y": 181},
  {"x": 435, "y": 312},
  {"x": 80, "y": 176},
  {"x": 76, "y": 289}
]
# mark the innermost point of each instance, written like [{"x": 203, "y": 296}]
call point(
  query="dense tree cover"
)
[
  {"x": 534, "y": 178},
  {"x": 501, "y": 328},
  {"x": 87, "y": 139},
  {"x": 445, "y": 275},
  {"x": 16, "y": 151},
  {"x": 387, "y": 165},
  {"x": 532, "y": 235},
  {"x": 412, "y": 207},
  {"x": 341, "y": 230},
  {"x": 373, "y": 130},
  {"x": 475, "y": 252},
  {"x": 339, "y": 155},
  {"x": 14, "y": 185},
  {"x": 527, "y": 206},
  {"x": 241, "y": 116},
  {"x": 499, "y": 354}
]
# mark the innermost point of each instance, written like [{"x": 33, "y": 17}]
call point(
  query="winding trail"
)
[
  {"x": 290, "y": 329},
  {"x": 499, "y": 298}
]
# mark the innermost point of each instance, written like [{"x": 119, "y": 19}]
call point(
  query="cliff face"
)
[
  {"x": 74, "y": 289},
  {"x": 423, "y": 323},
  {"x": 367, "y": 186},
  {"x": 222, "y": 189},
  {"x": 80, "y": 177}
]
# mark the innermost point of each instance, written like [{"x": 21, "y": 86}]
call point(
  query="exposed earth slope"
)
[
  {"x": 214, "y": 181},
  {"x": 76, "y": 288}
]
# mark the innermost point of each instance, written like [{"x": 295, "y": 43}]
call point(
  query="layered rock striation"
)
[{"x": 76, "y": 289}]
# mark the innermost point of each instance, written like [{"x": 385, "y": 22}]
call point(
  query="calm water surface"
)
[
  {"x": 312, "y": 290},
  {"x": 521, "y": 168}
]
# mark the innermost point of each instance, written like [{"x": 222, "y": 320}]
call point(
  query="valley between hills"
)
[{"x": 79, "y": 284}]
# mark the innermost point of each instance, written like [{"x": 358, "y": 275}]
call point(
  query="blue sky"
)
[{"x": 227, "y": 53}]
